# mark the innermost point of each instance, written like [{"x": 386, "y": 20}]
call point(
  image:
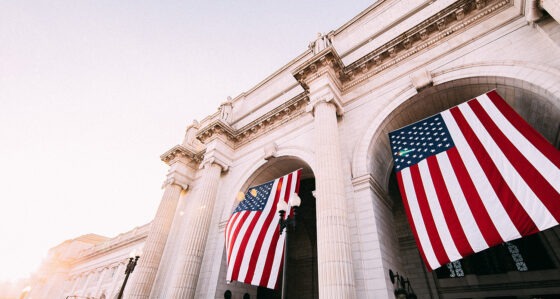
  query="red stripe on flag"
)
[
  {"x": 451, "y": 219},
  {"x": 529, "y": 132},
  {"x": 429, "y": 223},
  {"x": 516, "y": 212},
  {"x": 532, "y": 177},
  {"x": 410, "y": 219},
  {"x": 479, "y": 212}
]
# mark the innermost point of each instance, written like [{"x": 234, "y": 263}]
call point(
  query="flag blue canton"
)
[
  {"x": 419, "y": 141},
  {"x": 258, "y": 202}
]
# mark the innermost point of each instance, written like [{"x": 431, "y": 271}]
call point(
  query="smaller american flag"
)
[{"x": 253, "y": 243}]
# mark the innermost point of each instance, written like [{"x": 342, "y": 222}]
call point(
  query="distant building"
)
[
  {"x": 90, "y": 266},
  {"x": 328, "y": 111}
]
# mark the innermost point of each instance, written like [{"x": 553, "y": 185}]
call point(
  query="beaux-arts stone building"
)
[{"x": 328, "y": 111}]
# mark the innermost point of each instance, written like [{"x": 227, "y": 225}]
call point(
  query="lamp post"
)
[
  {"x": 403, "y": 289},
  {"x": 287, "y": 223},
  {"x": 132, "y": 261}
]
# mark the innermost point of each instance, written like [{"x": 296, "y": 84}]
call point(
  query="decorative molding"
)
[
  {"x": 173, "y": 179},
  {"x": 323, "y": 62},
  {"x": 270, "y": 150},
  {"x": 421, "y": 79},
  {"x": 183, "y": 154},
  {"x": 451, "y": 20},
  {"x": 274, "y": 118}
]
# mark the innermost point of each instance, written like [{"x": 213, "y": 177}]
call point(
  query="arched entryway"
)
[
  {"x": 302, "y": 251},
  {"x": 523, "y": 268}
]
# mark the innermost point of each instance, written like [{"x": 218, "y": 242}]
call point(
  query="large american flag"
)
[
  {"x": 475, "y": 176},
  {"x": 254, "y": 246}
]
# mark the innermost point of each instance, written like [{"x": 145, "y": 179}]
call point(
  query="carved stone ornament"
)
[
  {"x": 270, "y": 150},
  {"x": 183, "y": 154},
  {"x": 421, "y": 79},
  {"x": 175, "y": 181},
  {"x": 265, "y": 123},
  {"x": 455, "y": 18}
]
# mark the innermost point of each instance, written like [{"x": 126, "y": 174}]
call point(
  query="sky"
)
[{"x": 93, "y": 92}]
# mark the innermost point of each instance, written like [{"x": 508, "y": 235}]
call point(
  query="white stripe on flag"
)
[
  {"x": 462, "y": 209},
  {"x": 523, "y": 193},
  {"x": 417, "y": 219},
  {"x": 436, "y": 212},
  {"x": 493, "y": 206},
  {"x": 543, "y": 165}
]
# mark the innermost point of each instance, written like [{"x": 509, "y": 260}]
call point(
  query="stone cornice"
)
[
  {"x": 451, "y": 20},
  {"x": 455, "y": 18},
  {"x": 181, "y": 153},
  {"x": 93, "y": 253},
  {"x": 265, "y": 123},
  {"x": 323, "y": 62}
]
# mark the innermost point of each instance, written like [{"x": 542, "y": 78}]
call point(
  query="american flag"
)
[
  {"x": 254, "y": 246},
  {"x": 475, "y": 176}
]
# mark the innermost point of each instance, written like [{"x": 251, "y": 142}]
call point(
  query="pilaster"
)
[{"x": 378, "y": 243}]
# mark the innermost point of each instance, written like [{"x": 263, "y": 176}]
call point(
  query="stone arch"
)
[
  {"x": 539, "y": 105},
  {"x": 258, "y": 171},
  {"x": 464, "y": 82}
]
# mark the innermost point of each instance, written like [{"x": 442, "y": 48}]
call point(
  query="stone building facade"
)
[{"x": 328, "y": 111}]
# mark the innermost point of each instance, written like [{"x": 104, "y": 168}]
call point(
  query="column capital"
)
[{"x": 325, "y": 95}]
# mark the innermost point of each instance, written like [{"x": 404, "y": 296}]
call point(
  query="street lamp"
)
[
  {"x": 288, "y": 223},
  {"x": 403, "y": 289},
  {"x": 132, "y": 261}
]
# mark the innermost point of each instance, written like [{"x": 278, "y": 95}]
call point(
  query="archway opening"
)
[
  {"x": 302, "y": 276},
  {"x": 529, "y": 264}
]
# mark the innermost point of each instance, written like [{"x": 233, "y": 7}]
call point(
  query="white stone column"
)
[
  {"x": 196, "y": 232},
  {"x": 143, "y": 277},
  {"x": 334, "y": 256},
  {"x": 147, "y": 267}
]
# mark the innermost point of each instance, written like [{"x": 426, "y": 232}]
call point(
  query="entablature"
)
[
  {"x": 263, "y": 124},
  {"x": 457, "y": 17},
  {"x": 183, "y": 154}
]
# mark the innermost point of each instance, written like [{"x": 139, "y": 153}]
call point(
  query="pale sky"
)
[{"x": 93, "y": 92}]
